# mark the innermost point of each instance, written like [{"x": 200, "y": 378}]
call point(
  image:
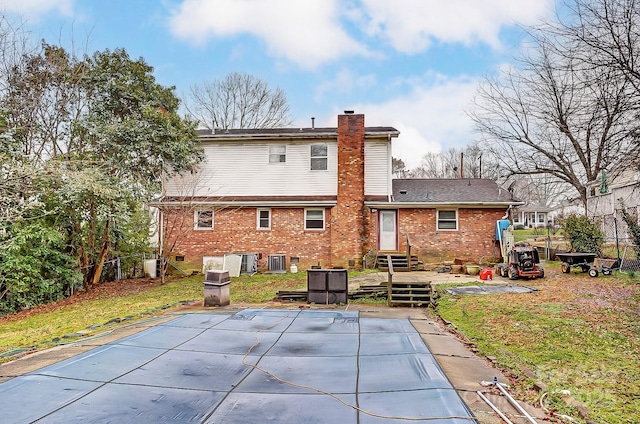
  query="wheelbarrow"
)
[
  {"x": 582, "y": 260},
  {"x": 605, "y": 266}
]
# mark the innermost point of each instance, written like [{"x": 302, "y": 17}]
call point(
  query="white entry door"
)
[{"x": 388, "y": 234}]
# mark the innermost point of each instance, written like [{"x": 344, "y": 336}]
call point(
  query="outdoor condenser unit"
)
[
  {"x": 249, "y": 263},
  {"x": 277, "y": 264}
]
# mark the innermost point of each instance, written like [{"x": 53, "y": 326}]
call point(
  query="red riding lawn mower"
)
[{"x": 522, "y": 261}]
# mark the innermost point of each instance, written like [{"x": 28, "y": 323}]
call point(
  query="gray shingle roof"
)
[
  {"x": 287, "y": 132},
  {"x": 459, "y": 190},
  {"x": 533, "y": 207}
]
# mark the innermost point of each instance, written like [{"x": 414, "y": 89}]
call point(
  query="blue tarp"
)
[{"x": 256, "y": 366}]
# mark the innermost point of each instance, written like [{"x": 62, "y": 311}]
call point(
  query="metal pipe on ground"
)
[
  {"x": 497, "y": 411},
  {"x": 516, "y": 404}
]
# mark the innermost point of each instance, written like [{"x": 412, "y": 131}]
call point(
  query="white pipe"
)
[
  {"x": 494, "y": 408},
  {"x": 516, "y": 404}
]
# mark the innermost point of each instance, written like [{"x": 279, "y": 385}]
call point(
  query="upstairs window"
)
[
  {"x": 319, "y": 158},
  {"x": 447, "y": 219},
  {"x": 203, "y": 220},
  {"x": 278, "y": 154},
  {"x": 264, "y": 219},
  {"x": 314, "y": 219}
]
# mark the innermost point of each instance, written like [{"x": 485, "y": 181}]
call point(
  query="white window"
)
[
  {"x": 278, "y": 154},
  {"x": 319, "y": 158},
  {"x": 203, "y": 220},
  {"x": 264, "y": 219},
  {"x": 541, "y": 217},
  {"x": 314, "y": 219},
  {"x": 447, "y": 219}
]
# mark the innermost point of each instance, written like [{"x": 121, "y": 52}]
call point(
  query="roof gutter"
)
[
  {"x": 255, "y": 204},
  {"x": 292, "y": 136},
  {"x": 413, "y": 205}
]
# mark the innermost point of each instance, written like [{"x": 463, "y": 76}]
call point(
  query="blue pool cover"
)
[{"x": 255, "y": 366}]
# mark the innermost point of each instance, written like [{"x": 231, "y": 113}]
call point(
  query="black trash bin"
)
[{"x": 325, "y": 286}]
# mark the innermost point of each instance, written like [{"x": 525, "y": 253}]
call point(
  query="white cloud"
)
[
  {"x": 410, "y": 26},
  {"x": 431, "y": 118},
  {"x": 345, "y": 82},
  {"x": 307, "y": 32},
  {"x": 35, "y": 8},
  {"x": 311, "y": 33}
]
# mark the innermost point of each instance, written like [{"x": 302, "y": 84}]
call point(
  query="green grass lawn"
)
[
  {"x": 529, "y": 233},
  {"x": 47, "y": 328},
  {"x": 576, "y": 333},
  {"x": 520, "y": 235}
]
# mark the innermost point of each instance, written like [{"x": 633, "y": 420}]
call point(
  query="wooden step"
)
[
  {"x": 375, "y": 291},
  {"x": 412, "y": 294},
  {"x": 399, "y": 261}
]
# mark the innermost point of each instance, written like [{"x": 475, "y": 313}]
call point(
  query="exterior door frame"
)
[{"x": 388, "y": 240}]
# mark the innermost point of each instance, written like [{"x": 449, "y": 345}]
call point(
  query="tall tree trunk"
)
[{"x": 102, "y": 255}]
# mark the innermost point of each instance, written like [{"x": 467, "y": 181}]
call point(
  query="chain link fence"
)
[
  {"x": 123, "y": 267},
  {"x": 618, "y": 243}
]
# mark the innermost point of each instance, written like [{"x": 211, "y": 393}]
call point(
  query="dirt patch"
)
[
  {"x": 101, "y": 291},
  {"x": 582, "y": 293}
]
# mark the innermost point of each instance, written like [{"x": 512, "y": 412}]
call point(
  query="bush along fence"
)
[{"x": 22, "y": 289}]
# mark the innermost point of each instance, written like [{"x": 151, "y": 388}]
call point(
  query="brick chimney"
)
[{"x": 347, "y": 220}]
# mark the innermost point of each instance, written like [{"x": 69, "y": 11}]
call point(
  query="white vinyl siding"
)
[
  {"x": 377, "y": 168},
  {"x": 242, "y": 169}
]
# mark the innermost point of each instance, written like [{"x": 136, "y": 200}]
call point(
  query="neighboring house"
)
[
  {"x": 320, "y": 195},
  {"x": 604, "y": 202},
  {"x": 565, "y": 208},
  {"x": 531, "y": 215}
]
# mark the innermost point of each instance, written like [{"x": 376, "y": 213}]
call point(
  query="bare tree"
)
[
  {"x": 14, "y": 43},
  {"x": 601, "y": 34},
  {"x": 552, "y": 117},
  {"x": 238, "y": 101},
  {"x": 543, "y": 189},
  {"x": 472, "y": 161},
  {"x": 445, "y": 164}
]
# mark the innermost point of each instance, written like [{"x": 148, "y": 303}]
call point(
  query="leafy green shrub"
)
[
  {"x": 34, "y": 268},
  {"x": 518, "y": 227},
  {"x": 584, "y": 234}
]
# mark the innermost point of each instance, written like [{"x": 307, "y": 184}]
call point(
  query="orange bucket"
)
[{"x": 486, "y": 274}]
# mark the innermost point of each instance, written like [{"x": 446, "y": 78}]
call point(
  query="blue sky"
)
[{"x": 411, "y": 64}]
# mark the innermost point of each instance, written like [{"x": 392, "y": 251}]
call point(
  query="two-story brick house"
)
[{"x": 320, "y": 195}]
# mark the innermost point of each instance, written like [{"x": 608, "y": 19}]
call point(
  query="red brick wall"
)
[
  {"x": 474, "y": 239},
  {"x": 348, "y": 226},
  {"x": 235, "y": 231}
]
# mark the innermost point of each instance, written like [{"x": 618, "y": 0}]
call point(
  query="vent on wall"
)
[{"x": 277, "y": 264}]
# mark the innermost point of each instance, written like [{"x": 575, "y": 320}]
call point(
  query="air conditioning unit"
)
[
  {"x": 249, "y": 263},
  {"x": 277, "y": 264}
]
